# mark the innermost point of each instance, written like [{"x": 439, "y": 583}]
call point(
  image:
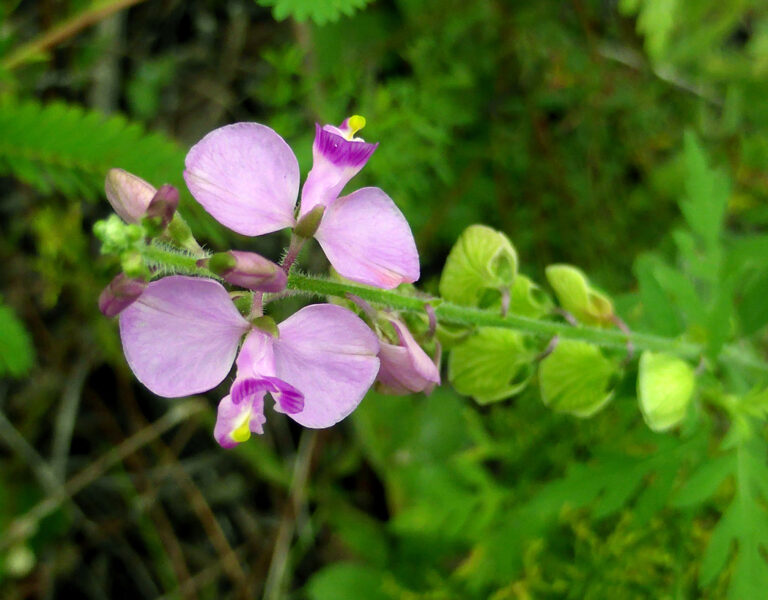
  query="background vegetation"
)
[{"x": 561, "y": 123}]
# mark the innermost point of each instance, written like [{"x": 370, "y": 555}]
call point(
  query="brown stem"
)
[{"x": 65, "y": 30}]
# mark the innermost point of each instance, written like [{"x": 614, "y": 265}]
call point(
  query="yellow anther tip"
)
[
  {"x": 242, "y": 433},
  {"x": 355, "y": 123}
]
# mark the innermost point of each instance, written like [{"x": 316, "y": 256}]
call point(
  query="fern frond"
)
[
  {"x": 319, "y": 11},
  {"x": 65, "y": 148}
]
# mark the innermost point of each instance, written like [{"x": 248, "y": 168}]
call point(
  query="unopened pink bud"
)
[
  {"x": 246, "y": 269},
  {"x": 164, "y": 204},
  {"x": 129, "y": 195},
  {"x": 121, "y": 292}
]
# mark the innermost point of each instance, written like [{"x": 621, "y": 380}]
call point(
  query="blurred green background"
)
[{"x": 560, "y": 123}]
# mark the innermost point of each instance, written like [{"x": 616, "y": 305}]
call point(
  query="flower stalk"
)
[{"x": 475, "y": 317}]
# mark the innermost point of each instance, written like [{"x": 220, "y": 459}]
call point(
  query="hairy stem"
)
[
  {"x": 463, "y": 315},
  {"x": 474, "y": 317}
]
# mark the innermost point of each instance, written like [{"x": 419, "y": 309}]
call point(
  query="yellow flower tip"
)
[
  {"x": 243, "y": 432},
  {"x": 354, "y": 124}
]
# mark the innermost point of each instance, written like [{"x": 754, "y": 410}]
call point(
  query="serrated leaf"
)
[
  {"x": 665, "y": 387},
  {"x": 16, "y": 350},
  {"x": 578, "y": 297},
  {"x": 491, "y": 365},
  {"x": 319, "y": 11},
  {"x": 704, "y": 481},
  {"x": 576, "y": 379},
  {"x": 661, "y": 314},
  {"x": 480, "y": 263},
  {"x": 743, "y": 529},
  {"x": 707, "y": 192}
]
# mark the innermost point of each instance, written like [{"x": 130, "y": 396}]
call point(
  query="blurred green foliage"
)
[{"x": 562, "y": 124}]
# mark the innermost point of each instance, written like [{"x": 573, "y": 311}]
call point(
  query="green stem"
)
[
  {"x": 462, "y": 315},
  {"x": 177, "y": 262},
  {"x": 473, "y": 317}
]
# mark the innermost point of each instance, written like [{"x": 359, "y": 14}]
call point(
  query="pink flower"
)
[
  {"x": 247, "y": 178},
  {"x": 405, "y": 367},
  {"x": 182, "y": 335}
]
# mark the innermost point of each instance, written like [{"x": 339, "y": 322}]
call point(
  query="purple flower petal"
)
[
  {"x": 181, "y": 336},
  {"x": 255, "y": 376},
  {"x": 256, "y": 359},
  {"x": 329, "y": 354},
  {"x": 367, "y": 239},
  {"x": 406, "y": 368},
  {"x": 289, "y": 400},
  {"x": 336, "y": 160},
  {"x": 235, "y": 422},
  {"x": 246, "y": 177}
]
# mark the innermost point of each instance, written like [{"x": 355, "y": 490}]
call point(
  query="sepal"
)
[
  {"x": 481, "y": 262},
  {"x": 578, "y": 297},
  {"x": 576, "y": 378},
  {"x": 491, "y": 365},
  {"x": 665, "y": 386}
]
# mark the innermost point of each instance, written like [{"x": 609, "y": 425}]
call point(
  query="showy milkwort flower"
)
[
  {"x": 247, "y": 178},
  {"x": 182, "y": 335}
]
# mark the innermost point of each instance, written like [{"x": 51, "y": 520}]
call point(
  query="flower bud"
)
[
  {"x": 246, "y": 269},
  {"x": 665, "y": 387},
  {"x": 405, "y": 367},
  {"x": 163, "y": 205},
  {"x": 121, "y": 292},
  {"x": 578, "y": 297},
  {"x": 129, "y": 195}
]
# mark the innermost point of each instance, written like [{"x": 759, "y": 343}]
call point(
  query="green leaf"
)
[
  {"x": 578, "y": 297},
  {"x": 665, "y": 387},
  {"x": 707, "y": 192},
  {"x": 610, "y": 481},
  {"x": 752, "y": 307},
  {"x": 491, "y": 365},
  {"x": 319, "y": 11},
  {"x": 682, "y": 292},
  {"x": 743, "y": 529},
  {"x": 662, "y": 315},
  {"x": 347, "y": 581},
  {"x": 480, "y": 263},
  {"x": 361, "y": 534},
  {"x": 576, "y": 379},
  {"x": 16, "y": 350},
  {"x": 704, "y": 481},
  {"x": 655, "y": 20}
]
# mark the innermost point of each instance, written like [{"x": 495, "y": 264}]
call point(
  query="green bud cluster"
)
[{"x": 117, "y": 236}]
